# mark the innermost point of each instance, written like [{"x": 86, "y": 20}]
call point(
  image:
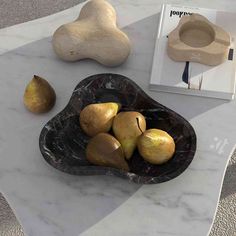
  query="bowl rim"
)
[{"x": 100, "y": 170}]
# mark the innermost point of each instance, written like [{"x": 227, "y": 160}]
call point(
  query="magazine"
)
[{"x": 193, "y": 78}]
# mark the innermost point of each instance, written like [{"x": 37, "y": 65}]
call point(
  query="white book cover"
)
[{"x": 190, "y": 77}]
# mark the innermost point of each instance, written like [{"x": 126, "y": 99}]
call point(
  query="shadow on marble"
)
[
  {"x": 96, "y": 197},
  {"x": 190, "y": 106}
]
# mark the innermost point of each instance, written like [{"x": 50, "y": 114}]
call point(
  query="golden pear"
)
[
  {"x": 156, "y": 146},
  {"x": 105, "y": 150},
  {"x": 98, "y": 118},
  {"x": 126, "y": 127},
  {"x": 39, "y": 96}
]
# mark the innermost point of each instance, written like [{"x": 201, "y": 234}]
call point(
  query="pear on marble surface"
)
[
  {"x": 105, "y": 150},
  {"x": 156, "y": 146},
  {"x": 127, "y": 127},
  {"x": 97, "y": 118},
  {"x": 39, "y": 96}
]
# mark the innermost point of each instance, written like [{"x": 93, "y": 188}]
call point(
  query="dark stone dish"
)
[{"x": 62, "y": 142}]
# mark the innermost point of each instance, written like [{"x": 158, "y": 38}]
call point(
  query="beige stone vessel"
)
[
  {"x": 197, "y": 39},
  {"x": 93, "y": 35}
]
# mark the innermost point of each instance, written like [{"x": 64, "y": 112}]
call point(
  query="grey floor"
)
[{"x": 13, "y": 12}]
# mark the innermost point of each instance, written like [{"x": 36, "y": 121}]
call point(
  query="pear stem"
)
[
  {"x": 139, "y": 125},
  {"x": 36, "y": 77}
]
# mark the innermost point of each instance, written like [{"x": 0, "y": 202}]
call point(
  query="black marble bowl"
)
[{"x": 63, "y": 143}]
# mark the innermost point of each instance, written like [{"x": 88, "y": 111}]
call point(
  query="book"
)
[{"x": 193, "y": 78}]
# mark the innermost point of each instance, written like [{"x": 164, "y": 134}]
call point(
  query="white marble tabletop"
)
[{"x": 48, "y": 202}]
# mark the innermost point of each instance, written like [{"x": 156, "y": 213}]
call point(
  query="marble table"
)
[{"x": 48, "y": 202}]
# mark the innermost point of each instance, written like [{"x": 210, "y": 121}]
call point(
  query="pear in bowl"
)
[
  {"x": 97, "y": 118},
  {"x": 127, "y": 127},
  {"x": 156, "y": 146},
  {"x": 105, "y": 150}
]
